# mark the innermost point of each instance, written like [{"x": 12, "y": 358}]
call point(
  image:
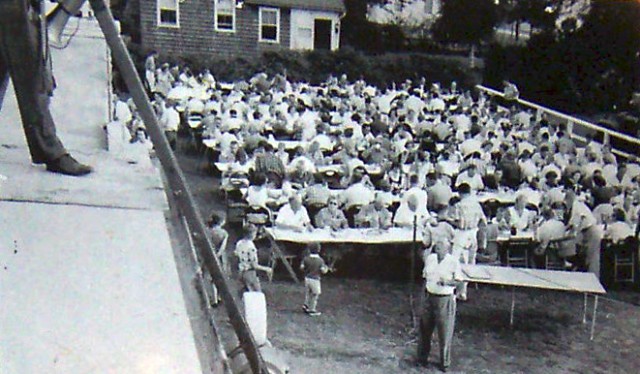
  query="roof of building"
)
[{"x": 327, "y": 5}]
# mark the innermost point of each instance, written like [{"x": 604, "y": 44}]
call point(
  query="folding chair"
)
[
  {"x": 350, "y": 213},
  {"x": 625, "y": 259},
  {"x": 236, "y": 205},
  {"x": 518, "y": 253},
  {"x": 551, "y": 259}
]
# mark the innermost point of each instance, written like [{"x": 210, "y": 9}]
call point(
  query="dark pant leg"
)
[
  {"x": 20, "y": 54},
  {"x": 4, "y": 79},
  {"x": 445, "y": 320},
  {"x": 427, "y": 325}
]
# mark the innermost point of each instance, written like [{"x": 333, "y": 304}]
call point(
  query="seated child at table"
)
[{"x": 313, "y": 266}]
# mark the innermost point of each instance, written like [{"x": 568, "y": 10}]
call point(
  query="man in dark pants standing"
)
[
  {"x": 21, "y": 58},
  {"x": 442, "y": 274}
]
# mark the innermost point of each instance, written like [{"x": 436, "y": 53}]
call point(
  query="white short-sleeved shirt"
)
[
  {"x": 286, "y": 216},
  {"x": 581, "y": 216},
  {"x": 446, "y": 270},
  {"x": 170, "y": 119}
]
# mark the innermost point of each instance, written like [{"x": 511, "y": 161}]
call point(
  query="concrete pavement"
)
[{"x": 88, "y": 277}]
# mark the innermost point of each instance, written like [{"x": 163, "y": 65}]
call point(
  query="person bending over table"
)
[
  {"x": 588, "y": 233},
  {"x": 293, "y": 215},
  {"x": 551, "y": 230},
  {"x": 442, "y": 272}
]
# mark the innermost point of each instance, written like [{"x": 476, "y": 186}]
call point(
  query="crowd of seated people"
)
[{"x": 348, "y": 154}]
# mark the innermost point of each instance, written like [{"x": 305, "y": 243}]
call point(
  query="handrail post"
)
[{"x": 570, "y": 128}]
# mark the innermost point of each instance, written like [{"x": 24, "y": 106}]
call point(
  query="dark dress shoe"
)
[{"x": 69, "y": 166}]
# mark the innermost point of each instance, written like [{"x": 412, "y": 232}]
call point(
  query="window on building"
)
[
  {"x": 269, "y": 24},
  {"x": 168, "y": 13},
  {"x": 225, "y": 15}
]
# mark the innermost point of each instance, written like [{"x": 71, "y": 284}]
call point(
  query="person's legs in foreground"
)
[
  {"x": 21, "y": 59},
  {"x": 440, "y": 314}
]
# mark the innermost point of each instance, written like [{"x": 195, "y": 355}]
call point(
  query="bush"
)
[{"x": 315, "y": 66}]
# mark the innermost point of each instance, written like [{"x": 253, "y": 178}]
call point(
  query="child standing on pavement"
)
[{"x": 313, "y": 267}]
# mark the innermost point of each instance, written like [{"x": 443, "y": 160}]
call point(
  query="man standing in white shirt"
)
[
  {"x": 442, "y": 273},
  {"x": 589, "y": 235},
  {"x": 471, "y": 233},
  {"x": 169, "y": 122}
]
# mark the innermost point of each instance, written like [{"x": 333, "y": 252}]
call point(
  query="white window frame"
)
[
  {"x": 164, "y": 24},
  {"x": 233, "y": 15},
  {"x": 269, "y": 9}
]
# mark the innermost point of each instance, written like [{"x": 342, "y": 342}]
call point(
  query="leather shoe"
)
[{"x": 69, "y": 166}]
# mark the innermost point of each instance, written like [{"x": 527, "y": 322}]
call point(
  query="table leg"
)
[
  {"x": 593, "y": 318},
  {"x": 513, "y": 305},
  {"x": 584, "y": 310},
  {"x": 276, "y": 249}
]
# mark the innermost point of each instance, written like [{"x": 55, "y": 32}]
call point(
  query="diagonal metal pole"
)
[{"x": 177, "y": 183}]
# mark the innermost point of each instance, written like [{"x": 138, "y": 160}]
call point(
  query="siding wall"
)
[
  {"x": 197, "y": 36},
  {"x": 305, "y": 19}
]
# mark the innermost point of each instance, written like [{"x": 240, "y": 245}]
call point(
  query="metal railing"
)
[{"x": 622, "y": 145}]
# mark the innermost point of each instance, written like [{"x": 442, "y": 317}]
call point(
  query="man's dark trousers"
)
[
  {"x": 21, "y": 59},
  {"x": 440, "y": 314}
]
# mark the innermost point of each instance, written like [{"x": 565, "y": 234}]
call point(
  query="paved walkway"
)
[{"x": 88, "y": 280}]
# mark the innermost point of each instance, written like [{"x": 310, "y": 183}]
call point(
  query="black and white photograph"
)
[{"x": 319, "y": 186}]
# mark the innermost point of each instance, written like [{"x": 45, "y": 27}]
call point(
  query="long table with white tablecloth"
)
[
  {"x": 585, "y": 283},
  {"x": 534, "y": 278},
  {"x": 392, "y": 235}
]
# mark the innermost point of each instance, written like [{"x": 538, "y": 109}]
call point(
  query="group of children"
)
[{"x": 312, "y": 265}]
